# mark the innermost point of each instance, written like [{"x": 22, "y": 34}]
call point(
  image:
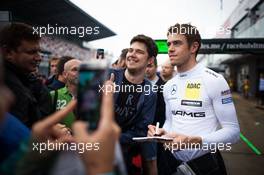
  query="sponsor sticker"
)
[
  {"x": 226, "y": 92},
  {"x": 193, "y": 90},
  {"x": 211, "y": 73},
  {"x": 191, "y": 103},
  {"x": 183, "y": 75},
  {"x": 188, "y": 114},
  {"x": 227, "y": 100}
]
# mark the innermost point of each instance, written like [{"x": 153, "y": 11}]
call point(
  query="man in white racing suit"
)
[{"x": 200, "y": 113}]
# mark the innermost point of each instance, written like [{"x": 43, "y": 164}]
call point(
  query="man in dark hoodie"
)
[
  {"x": 21, "y": 52},
  {"x": 135, "y": 102}
]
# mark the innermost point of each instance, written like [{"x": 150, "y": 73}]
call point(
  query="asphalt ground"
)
[{"x": 246, "y": 157}]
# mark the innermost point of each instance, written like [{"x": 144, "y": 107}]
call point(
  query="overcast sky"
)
[{"x": 128, "y": 18}]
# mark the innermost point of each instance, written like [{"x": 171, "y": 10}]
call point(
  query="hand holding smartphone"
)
[
  {"x": 100, "y": 54},
  {"x": 92, "y": 76}
]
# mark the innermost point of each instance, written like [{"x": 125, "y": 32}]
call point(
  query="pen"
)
[{"x": 156, "y": 129}]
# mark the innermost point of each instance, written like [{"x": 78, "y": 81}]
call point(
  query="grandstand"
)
[
  {"x": 56, "y": 13},
  {"x": 57, "y": 47}
]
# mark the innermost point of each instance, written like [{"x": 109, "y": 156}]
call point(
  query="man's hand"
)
[
  {"x": 152, "y": 131},
  {"x": 50, "y": 129},
  {"x": 112, "y": 77},
  {"x": 181, "y": 141},
  {"x": 107, "y": 134}
]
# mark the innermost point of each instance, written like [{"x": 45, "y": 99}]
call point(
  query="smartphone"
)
[
  {"x": 92, "y": 76},
  {"x": 100, "y": 54}
]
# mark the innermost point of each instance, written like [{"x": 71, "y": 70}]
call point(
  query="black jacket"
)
[
  {"x": 160, "y": 105},
  {"x": 32, "y": 100},
  {"x": 137, "y": 126}
]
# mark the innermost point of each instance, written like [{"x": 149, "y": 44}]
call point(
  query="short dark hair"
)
[
  {"x": 123, "y": 54},
  {"x": 53, "y": 59},
  {"x": 155, "y": 62},
  {"x": 60, "y": 65},
  {"x": 190, "y": 32},
  {"x": 13, "y": 34},
  {"x": 149, "y": 42}
]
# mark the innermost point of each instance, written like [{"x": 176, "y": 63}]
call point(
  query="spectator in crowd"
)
[
  {"x": 135, "y": 109},
  {"x": 53, "y": 62},
  {"x": 59, "y": 47},
  {"x": 24, "y": 159},
  {"x": 21, "y": 53},
  {"x": 12, "y": 130},
  {"x": 122, "y": 59},
  {"x": 261, "y": 89},
  {"x": 231, "y": 84},
  {"x": 59, "y": 80},
  {"x": 151, "y": 75},
  {"x": 114, "y": 64},
  {"x": 61, "y": 97},
  {"x": 246, "y": 87},
  {"x": 42, "y": 78},
  {"x": 121, "y": 62},
  {"x": 167, "y": 71}
]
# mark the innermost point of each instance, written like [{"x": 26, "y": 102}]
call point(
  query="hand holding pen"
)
[{"x": 155, "y": 130}]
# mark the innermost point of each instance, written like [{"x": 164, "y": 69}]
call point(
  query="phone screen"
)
[
  {"x": 100, "y": 54},
  {"x": 90, "y": 94}
]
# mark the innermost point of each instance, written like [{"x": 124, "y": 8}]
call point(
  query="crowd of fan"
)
[
  {"x": 59, "y": 47},
  {"x": 42, "y": 112}
]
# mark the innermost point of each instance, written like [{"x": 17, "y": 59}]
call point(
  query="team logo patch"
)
[
  {"x": 183, "y": 75},
  {"x": 188, "y": 114},
  {"x": 211, "y": 73},
  {"x": 191, "y": 103},
  {"x": 226, "y": 92},
  {"x": 227, "y": 100},
  {"x": 174, "y": 89},
  {"x": 193, "y": 90}
]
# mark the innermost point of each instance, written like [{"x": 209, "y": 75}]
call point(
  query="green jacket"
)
[{"x": 63, "y": 98}]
